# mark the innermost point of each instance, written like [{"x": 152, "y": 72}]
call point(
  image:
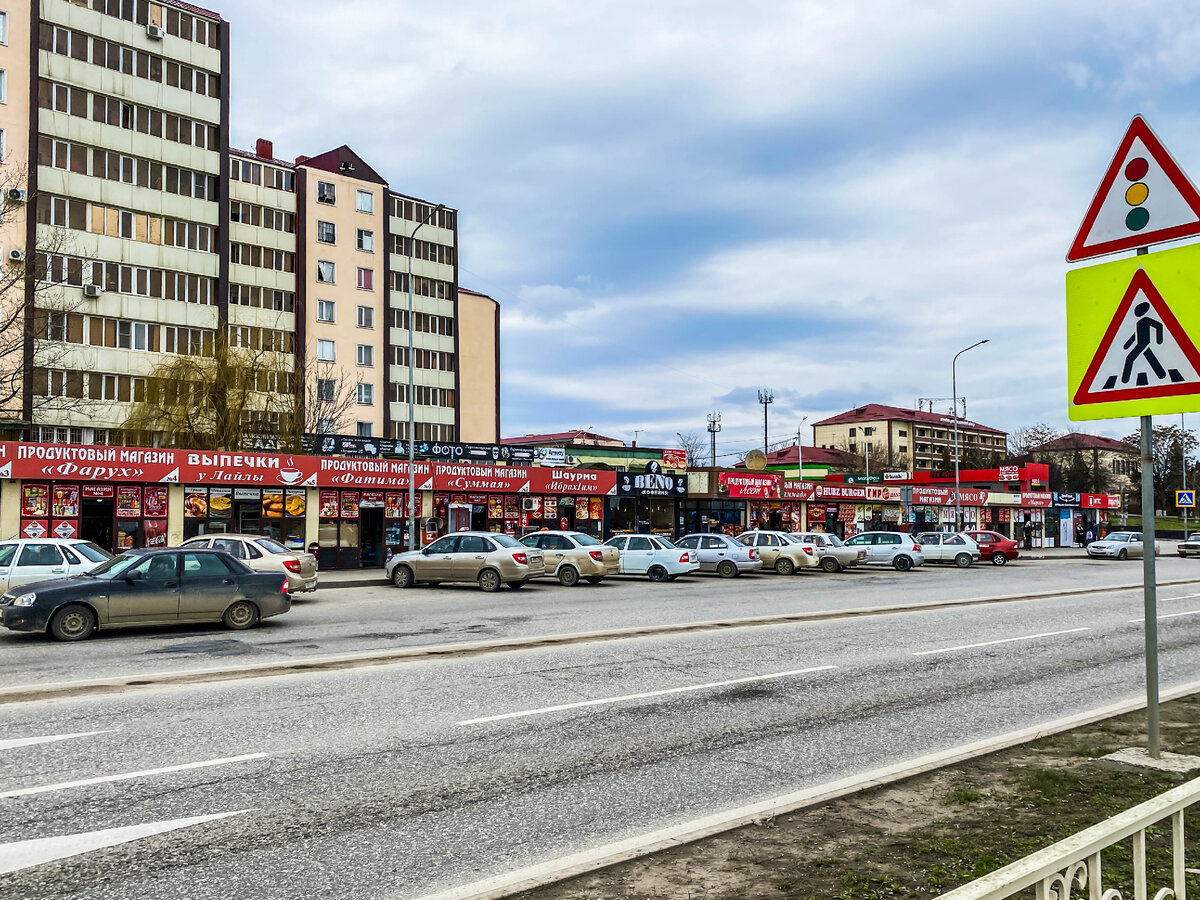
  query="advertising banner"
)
[
  {"x": 155, "y": 502},
  {"x": 794, "y": 489},
  {"x": 674, "y": 459},
  {"x": 129, "y": 502},
  {"x": 854, "y": 492},
  {"x": 754, "y": 486},
  {"x": 945, "y": 497},
  {"x": 651, "y": 482},
  {"x": 66, "y": 503}
]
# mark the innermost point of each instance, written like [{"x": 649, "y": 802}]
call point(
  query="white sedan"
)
[
  {"x": 947, "y": 547},
  {"x": 653, "y": 556},
  {"x": 25, "y": 560}
]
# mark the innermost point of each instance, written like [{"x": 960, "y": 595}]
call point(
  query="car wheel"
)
[
  {"x": 240, "y": 616},
  {"x": 657, "y": 573},
  {"x": 963, "y": 560},
  {"x": 785, "y": 566},
  {"x": 902, "y": 563},
  {"x": 568, "y": 576},
  {"x": 516, "y": 585},
  {"x": 999, "y": 559},
  {"x": 727, "y": 569},
  {"x": 489, "y": 580},
  {"x": 595, "y": 579},
  {"x": 829, "y": 564},
  {"x": 1123, "y": 555},
  {"x": 402, "y": 577},
  {"x": 73, "y": 623}
]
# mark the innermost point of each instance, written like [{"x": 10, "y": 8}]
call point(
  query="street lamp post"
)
[
  {"x": 412, "y": 414},
  {"x": 954, "y": 390}
]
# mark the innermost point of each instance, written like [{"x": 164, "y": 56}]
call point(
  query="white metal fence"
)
[{"x": 1072, "y": 867}]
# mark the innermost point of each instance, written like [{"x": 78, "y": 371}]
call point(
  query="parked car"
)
[
  {"x": 654, "y": 556},
  {"x": 570, "y": 555},
  {"x": 1190, "y": 546},
  {"x": 1120, "y": 545},
  {"x": 485, "y": 557},
  {"x": 889, "y": 548},
  {"x": 947, "y": 547},
  {"x": 780, "y": 553},
  {"x": 148, "y": 587},
  {"x": 264, "y": 554},
  {"x": 721, "y": 554},
  {"x": 997, "y": 547},
  {"x": 23, "y": 561},
  {"x": 832, "y": 551}
]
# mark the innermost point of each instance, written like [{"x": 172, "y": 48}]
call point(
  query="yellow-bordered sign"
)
[
  {"x": 1185, "y": 499},
  {"x": 1132, "y": 330}
]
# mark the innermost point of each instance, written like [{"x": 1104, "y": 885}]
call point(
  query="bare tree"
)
[
  {"x": 1024, "y": 441},
  {"x": 695, "y": 446},
  {"x": 329, "y": 395}
]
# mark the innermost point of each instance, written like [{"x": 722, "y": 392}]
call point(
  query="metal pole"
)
[
  {"x": 954, "y": 390},
  {"x": 413, "y": 538},
  {"x": 1150, "y": 587},
  {"x": 1183, "y": 454}
]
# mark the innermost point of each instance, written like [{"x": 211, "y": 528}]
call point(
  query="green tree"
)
[
  {"x": 1078, "y": 475},
  {"x": 1169, "y": 443}
]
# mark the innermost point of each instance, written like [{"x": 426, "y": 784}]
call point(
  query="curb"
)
[
  {"x": 542, "y": 874},
  {"x": 25, "y": 693}
]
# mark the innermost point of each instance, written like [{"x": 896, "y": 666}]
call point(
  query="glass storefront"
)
[
  {"x": 728, "y": 516},
  {"x": 275, "y": 513},
  {"x": 641, "y": 515}
]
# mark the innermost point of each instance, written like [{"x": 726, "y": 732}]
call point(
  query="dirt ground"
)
[{"x": 921, "y": 837}]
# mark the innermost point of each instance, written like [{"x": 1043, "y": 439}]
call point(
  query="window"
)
[
  {"x": 853, "y": 432},
  {"x": 364, "y": 429},
  {"x": 366, "y": 394},
  {"x": 326, "y": 233},
  {"x": 366, "y": 317},
  {"x": 366, "y": 240},
  {"x": 904, "y": 448},
  {"x": 3, "y": 86},
  {"x": 325, "y": 311},
  {"x": 366, "y": 279},
  {"x": 326, "y": 193},
  {"x": 903, "y": 433},
  {"x": 365, "y": 202},
  {"x": 326, "y": 351},
  {"x": 3, "y": 28},
  {"x": 366, "y": 355},
  {"x": 325, "y": 272},
  {"x": 326, "y": 390}
]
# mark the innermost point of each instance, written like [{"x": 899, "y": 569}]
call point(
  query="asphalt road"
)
[
  {"x": 377, "y": 616},
  {"x": 401, "y": 780}
]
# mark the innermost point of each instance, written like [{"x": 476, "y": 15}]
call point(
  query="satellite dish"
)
[{"x": 756, "y": 460}]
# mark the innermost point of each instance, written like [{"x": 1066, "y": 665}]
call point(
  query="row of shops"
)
[{"x": 355, "y": 512}]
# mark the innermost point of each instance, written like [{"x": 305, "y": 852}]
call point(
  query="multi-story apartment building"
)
[
  {"x": 911, "y": 438},
  {"x": 1114, "y": 467},
  {"x": 145, "y": 236}
]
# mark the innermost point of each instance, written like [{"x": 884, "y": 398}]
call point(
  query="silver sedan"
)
[{"x": 1121, "y": 545}]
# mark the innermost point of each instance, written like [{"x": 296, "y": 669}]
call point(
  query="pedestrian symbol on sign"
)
[{"x": 1185, "y": 499}]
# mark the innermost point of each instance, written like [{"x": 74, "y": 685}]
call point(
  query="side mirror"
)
[{"x": 134, "y": 576}]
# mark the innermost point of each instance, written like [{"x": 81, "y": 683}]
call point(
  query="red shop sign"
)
[
  {"x": 1100, "y": 501},
  {"x": 798, "y": 490},
  {"x": 945, "y": 497},
  {"x": 467, "y": 477},
  {"x": 592, "y": 482},
  {"x": 751, "y": 486},
  {"x": 99, "y": 491}
]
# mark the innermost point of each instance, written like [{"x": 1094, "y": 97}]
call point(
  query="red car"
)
[{"x": 993, "y": 546}]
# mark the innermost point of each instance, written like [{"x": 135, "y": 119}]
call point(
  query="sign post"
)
[{"x": 1132, "y": 326}]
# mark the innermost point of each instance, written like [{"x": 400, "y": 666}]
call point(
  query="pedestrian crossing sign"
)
[
  {"x": 1132, "y": 328},
  {"x": 1185, "y": 499}
]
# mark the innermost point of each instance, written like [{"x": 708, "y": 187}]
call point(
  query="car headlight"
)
[{"x": 25, "y": 600}]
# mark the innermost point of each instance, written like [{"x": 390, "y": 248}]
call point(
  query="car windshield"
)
[
  {"x": 505, "y": 541},
  {"x": 585, "y": 540},
  {"x": 91, "y": 552},
  {"x": 1194, "y": 537},
  {"x": 272, "y": 546},
  {"x": 114, "y": 567}
]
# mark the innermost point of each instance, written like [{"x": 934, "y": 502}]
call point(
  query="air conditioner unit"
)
[
  {"x": 155, "y": 32},
  {"x": 16, "y": 256},
  {"x": 16, "y": 195},
  {"x": 528, "y": 504},
  {"x": 92, "y": 291}
]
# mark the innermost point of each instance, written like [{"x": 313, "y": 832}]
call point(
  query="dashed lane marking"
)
[
  {"x": 126, "y": 776},
  {"x": 1028, "y": 637},
  {"x": 13, "y": 743}
]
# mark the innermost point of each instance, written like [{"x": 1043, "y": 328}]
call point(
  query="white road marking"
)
[
  {"x": 1184, "y": 597},
  {"x": 49, "y": 739},
  {"x": 24, "y": 854},
  {"x": 1192, "y": 612},
  {"x": 1029, "y": 637},
  {"x": 681, "y": 690},
  {"x": 125, "y": 776}
]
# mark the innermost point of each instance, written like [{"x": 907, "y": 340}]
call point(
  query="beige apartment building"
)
[
  {"x": 132, "y": 234},
  {"x": 909, "y": 439}
]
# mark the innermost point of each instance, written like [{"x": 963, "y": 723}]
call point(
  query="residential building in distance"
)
[
  {"x": 1117, "y": 465},
  {"x": 907, "y": 438},
  {"x": 133, "y": 234}
]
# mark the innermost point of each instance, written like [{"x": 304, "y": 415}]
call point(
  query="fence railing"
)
[{"x": 1072, "y": 867}]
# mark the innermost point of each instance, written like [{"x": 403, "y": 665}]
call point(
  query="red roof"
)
[
  {"x": 561, "y": 438},
  {"x": 192, "y": 8},
  {"x": 1078, "y": 440},
  {"x": 817, "y": 456},
  {"x": 874, "y": 412}
]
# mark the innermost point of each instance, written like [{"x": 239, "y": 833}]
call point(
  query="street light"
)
[
  {"x": 954, "y": 391},
  {"x": 412, "y": 408}
]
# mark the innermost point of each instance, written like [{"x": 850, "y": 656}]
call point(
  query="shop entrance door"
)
[
  {"x": 248, "y": 516},
  {"x": 96, "y": 522},
  {"x": 371, "y": 537}
]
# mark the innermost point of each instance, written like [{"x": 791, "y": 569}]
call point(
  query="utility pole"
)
[
  {"x": 714, "y": 425},
  {"x": 1183, "y": 453},
  {"x": 766, "y": 398}
]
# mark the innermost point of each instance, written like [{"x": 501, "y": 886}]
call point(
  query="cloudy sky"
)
[{"x": 678, "y": 203}]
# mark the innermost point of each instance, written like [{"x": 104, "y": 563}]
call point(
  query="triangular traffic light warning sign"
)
[
  {"x": 1144, "y": 198},
  {"x": 1144, "y": 353}
]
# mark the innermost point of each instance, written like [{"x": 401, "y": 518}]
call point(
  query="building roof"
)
[
  {"x": 875, "y": 412},
  {"x": 333, "y": 160},
  {"x": 195, "y": 10},
  {"x": 249, "y": 154},
  {"x": 564, "y": 437},
  {"x": 463, "y": 290},
  {"x": 816, "y": 456},
  {"x": 1078, "y": 440}
]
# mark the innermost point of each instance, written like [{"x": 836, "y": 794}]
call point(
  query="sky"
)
[{"x": 678, "y": 204}]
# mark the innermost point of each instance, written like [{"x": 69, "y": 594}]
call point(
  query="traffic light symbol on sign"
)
[
  {"x": 1185, "y": 499},
  {"x": 1137, "y": 193}
]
